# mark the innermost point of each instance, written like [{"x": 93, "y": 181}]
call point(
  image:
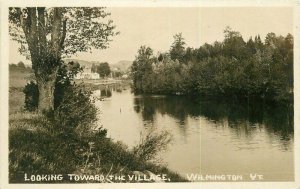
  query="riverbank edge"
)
[
  {"x": 232, "y": 98},
  {"x": 27, "y": 132}
]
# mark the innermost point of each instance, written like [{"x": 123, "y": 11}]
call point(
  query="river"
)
[{"x": 210, "y": 137}]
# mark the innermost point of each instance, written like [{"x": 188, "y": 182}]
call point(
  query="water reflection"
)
[
  {"x": 106, "y": 90},
  {"x": 210, "y": 136},
  {"x": 105, "y": 93},
  {"x": 242, "y": 117}
]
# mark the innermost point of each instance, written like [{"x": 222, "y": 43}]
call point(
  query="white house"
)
[
  {"x": 95, "y": 76},
  {"x": 125, "y": 76},
  {"x": 87, "y": 74}
]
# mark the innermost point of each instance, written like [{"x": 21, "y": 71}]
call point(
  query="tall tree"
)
[
  {"x": 103, "y": 69},
  {"x": 177, "y": 50},
  {"x": 251, "y": 47},
  {"x": 141, "y": 68},
  {"x": 234, "y": 44},
  {"x": 48, "y": 34}
]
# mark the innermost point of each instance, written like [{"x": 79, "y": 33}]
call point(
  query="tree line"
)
[
  {"x": 19, "y": 66},
  {"x": 233, "y": 67}
]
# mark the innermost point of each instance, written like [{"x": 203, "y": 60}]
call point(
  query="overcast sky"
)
[{"x": 155, "y": 27}]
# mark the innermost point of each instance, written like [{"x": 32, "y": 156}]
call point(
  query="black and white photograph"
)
[{"x": 149, "y": 94}]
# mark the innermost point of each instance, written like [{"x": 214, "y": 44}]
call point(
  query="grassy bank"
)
[{"x": 40, "y": 145}]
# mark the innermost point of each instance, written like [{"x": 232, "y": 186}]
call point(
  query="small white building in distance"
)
[
  {"x": 95, "y": 76},
  {"x": 125, "y": 76},
  {"x": 87, "y": 74}
]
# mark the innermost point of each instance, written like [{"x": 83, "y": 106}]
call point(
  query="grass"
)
[
  {"x": 18, "y": 78},
  {"x": 16, "y": 100},
  {"x": 38, "y": 145}
]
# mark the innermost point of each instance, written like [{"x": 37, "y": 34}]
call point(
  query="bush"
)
[
  {"x": 31, "y": 92},
  {"x": 76, "y": 110},
  {"x": 151, "y": 144}
]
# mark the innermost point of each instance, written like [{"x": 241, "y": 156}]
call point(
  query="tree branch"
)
[
  {"x": 42, "y": 31},
  {"x": 55, "y": 34},
  {"x": 33, "y": 21},
  {"x": 23, "y": 22},
  {"x": 64, "y": 31}
]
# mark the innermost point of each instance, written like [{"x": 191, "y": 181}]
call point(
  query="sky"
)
[{"x": 156, "y": 26}]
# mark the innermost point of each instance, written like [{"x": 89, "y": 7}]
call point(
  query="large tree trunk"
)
[
  {"x": 46, "y": 96},
  {"x": 46, "y": 86},
  {"x": 45, "y": 55}
]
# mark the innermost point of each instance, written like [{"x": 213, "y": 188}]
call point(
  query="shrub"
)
[
  {"x": 151, "y": 144},
  {"x": 76, "y": 110},
  {"x": 31, "y": 92}
]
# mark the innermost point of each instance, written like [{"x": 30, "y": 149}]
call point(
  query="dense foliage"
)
[
  {"x": 76, "y": 26},
  {"x": 233, "y": 67}
]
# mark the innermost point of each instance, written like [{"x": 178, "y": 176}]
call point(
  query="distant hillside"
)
[
  {"x": 83, "y": 63},
  {"x": 123, "y": 65}
]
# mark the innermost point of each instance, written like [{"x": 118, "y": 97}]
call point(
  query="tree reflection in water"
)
[{"x": 243, "y": 118}]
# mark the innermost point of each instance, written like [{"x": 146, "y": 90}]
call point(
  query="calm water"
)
[{"x": 209, "y": 137}]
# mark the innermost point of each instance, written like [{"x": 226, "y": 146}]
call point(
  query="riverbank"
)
[
  {"x": 38, "y": 145},
  {"x": 103, "y": 83},
  {"x": 36, "y": 149}
]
